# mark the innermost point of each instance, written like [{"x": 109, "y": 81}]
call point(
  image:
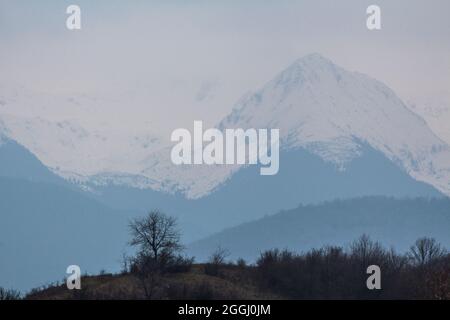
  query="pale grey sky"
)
[{"x": 182, "y": 60}]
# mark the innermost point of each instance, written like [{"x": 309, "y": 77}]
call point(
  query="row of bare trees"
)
[
  {"x": 329, "y": 272},
  {"x": 338, "y": 273}
]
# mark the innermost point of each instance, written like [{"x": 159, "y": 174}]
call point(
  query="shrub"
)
[{"x": 216, "y": 260}]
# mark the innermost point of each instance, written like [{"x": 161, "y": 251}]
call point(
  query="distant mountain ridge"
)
[
  {"x": 248, "y": 196},
  {"x": 393, "y": 222},
  {"x": 18, "y": 162},
  {"x": 47, "y": 223},
  {"x": 44, "y": 228}
]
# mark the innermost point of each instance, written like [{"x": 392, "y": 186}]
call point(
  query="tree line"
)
[{"x": 331, "y": 272}]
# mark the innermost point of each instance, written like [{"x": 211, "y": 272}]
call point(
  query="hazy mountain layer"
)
[{"x": 393, "y": 222}]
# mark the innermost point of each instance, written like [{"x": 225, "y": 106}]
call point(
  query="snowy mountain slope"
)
[
  {"x": 331, "y": 112},
  {"x": 328, "y": 110},
  {"x": 78, "y": 152},
  {"x": 77, "y": 136},
  {"x": 436, "y": 113},
  {"x": 316, "y": 105}
]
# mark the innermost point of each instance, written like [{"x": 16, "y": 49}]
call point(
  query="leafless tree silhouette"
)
[{"x": 156, "y": 235}]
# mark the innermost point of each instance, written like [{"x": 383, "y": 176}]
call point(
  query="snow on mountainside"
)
[
  {"x": 436, "y": 113},
  {"x": 76, "y": 152},
  {"x": 328, "y": 110},
  {"x": 315, "y": 104},
  {"x": 79, "y": 137}
]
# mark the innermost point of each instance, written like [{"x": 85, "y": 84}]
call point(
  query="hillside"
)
[
  {"x": 194, "y": 284},
  {"x": 325, "y": 273}
]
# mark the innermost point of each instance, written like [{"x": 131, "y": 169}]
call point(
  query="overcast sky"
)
[{"x": 181, "y": 60}]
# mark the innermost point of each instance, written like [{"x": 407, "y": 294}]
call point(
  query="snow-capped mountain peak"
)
[{"x": 330, "y": 111}]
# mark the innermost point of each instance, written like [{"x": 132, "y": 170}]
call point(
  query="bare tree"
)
[
  {"x": 216, "y": 260},
  {"x": 126, "y": 261},
  {"x": 219, "y": 255},
  {"x": 367, "y": 251},
  {"x": 158, "y": 240},
  {"x": 426, "y": 250},
  {"x": 156, "y": 235}
]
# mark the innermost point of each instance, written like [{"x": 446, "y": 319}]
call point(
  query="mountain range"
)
[
  {"x": 69, "y": 187},
  {"x": 317, "y": 105}
]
